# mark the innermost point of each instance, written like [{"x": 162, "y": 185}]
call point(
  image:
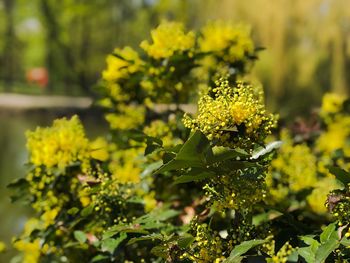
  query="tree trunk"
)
[{"x": 8, "y": 69}]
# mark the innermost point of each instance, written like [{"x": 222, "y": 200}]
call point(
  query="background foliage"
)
[{"x": 308, "y": 42}]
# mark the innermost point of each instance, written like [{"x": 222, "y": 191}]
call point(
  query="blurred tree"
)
[
  {"x": 308, "y": 50},
  {"x": 10, "y": 42}
]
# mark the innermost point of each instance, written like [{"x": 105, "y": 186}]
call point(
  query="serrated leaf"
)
[
  {"x": 240, "y": 250},
  {"x": 330, "y": 232},
  {"x": 151, "y": 148},
  {"x": 191, "y": 154},
  {"x": 110, "y": 244},
  {"x": 18, "y": 183},
  {"x": 80, "y": 236},
  {"x": 345, "y": 241},
  {"x": 223, "y": 154},
  {"x": 157, "y": 215},
  {"x": 151, "y": 237},
  {"x": 123, "y": 229},
  {"x": 185, "y": 241},
  {"x": 201, "y": 175},
  {"x": 309, "y": 240},
  {"x": 326, "y": 249},
  {"x": 160, "y": 251},
  {"x": 307, "y": 253}
]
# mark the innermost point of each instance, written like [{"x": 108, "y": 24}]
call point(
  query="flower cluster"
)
[
  {"x": 128, "y": 117},
  {"x": 162, "y": 130},
  {"x": 59, "y": 146},
  {"x": 236, "y": 190},
  {"x": 230, "y": 42},
  {"x": 331, "y": 103},
  {"x": 121, "y": 64},
  {"x": 169, "y": 38},
  {"x": 209, "y": 246},
  {"x": 232, "y": 116},
  {"x": 295, "y": 169},
  {"x": 125, "y": 165},
  {"x": 282, "y": 255}
]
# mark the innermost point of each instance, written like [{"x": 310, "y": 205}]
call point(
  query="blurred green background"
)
[
  {"x": 307, "y": 54},
  {"x": 307, "y": 42}
]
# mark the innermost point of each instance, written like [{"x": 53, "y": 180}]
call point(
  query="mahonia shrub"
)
[{"x": 172, "y": 184}]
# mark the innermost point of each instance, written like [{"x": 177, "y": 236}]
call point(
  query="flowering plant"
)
[{"x": 170, "y": 186}]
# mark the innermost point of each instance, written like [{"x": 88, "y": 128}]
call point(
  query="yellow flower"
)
[
  {"x": 124, "y": 62},
  {"x": 84, "y": 198},
  {"x": 30, "y": 250},
  {"x": 332, "y": 103},
  {"x": 224, "y": 39},
  {"x": 60, "y": 145},
  {"x": 318, "y": 196},
  {"x": 294, "y": 169},
  {"x": 48, "y": 218},
  {"x": 168, "y": 38},
  {"x": 125, "y": 165},
  {"x": 297, "y": 166},
  {"x": 150, "y": 201},
  {"x": 336, "y": 135},
  {"x": 231, "y": 109},
  {"x": 99, "y": 149},
  {"x": 129, "y": 117},
  {"x": 162, "y": 130}
]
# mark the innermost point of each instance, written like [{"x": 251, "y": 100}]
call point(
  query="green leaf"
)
[
  {"x": 223, "y": 153},
  {"x": 99, "y": 258},
  {"x": 160, "y": 251},
  {"x": 264, "y": 217},
  {"x": 73, "y": 211},
  {"x": 326, "y": 249},
  {"x": 307, "y": 253},
  {"x": 185, "y": 241},
  {"x": 157, "y": 215},
  {"x": 196, "y": 175},
  {"x": 18, "y": 183},
  {"x": 345, "y": 241},
  {"x": 80, "y": 236},
  {"x": 341, "y": 175},
  {"x": 191, "y": 154},
  {"x": 293, "y": 257},
  {"x": 110, "y": 244},
  {"x": 330, "y": 232},
  {"x": 151, "y": 148},
  {"x": 151, "y": 237},
  {"x": 151, "y": 168},
  {"x": 87, "y": 211},
  {"x": 123, "y": 229},
  {"x": 309, "y": 240},
  {"x": 20, "y": 188},
  {"x": 244, "y": 247}
]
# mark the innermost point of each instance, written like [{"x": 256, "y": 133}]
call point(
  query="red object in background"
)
[{"x": 38, "y": 76}]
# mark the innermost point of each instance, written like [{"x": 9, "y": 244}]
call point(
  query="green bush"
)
[{"x": 170, "y": 186}]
